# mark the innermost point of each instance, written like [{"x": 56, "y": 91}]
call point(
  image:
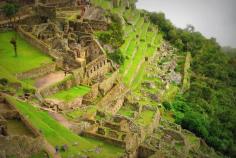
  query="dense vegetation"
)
[
  {"x": 114, "y": 37},
  {"x": 208, "y": 107}
]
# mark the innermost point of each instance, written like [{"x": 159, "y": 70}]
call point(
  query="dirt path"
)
[
  {"x": 49, "y": 79},
  {"x": 61, "y": 119}
]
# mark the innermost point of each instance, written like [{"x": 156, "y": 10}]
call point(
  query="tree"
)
[
  {"x": 10, "y": 9},
  {"x": 190, "y": 28},
  {"x": 13, "y": 42}
]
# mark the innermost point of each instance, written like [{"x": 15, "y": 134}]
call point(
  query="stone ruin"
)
[
  {"x": 13, "y": 143},
  {"x": 121, "y": 130},
  {"x": 74, "y": 49}
]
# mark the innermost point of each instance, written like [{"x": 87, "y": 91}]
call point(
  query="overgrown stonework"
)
[{"x": 101, "y": 94}]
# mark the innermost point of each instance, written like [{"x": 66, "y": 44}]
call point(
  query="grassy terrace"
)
[
  {"x": 127, "y": 111},
  {"x": 145, "y": 117},
  {"x": 71, "y": 94},
  {"x": 141, "y": 40},
  {"x": 28, "y": 56},
  {"x": 56, "y": 134},
  {"x": 81, "y": 112}
]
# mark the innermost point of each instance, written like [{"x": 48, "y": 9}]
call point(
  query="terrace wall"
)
[
  {"x": 37, "y": 72},
  {"x": 20, "y": 146},
  {"x": 93, "y": 92},
  {"x": 67, "y": 83},
  {"x": 108, "y": 83},
  {"x": 89, "y": 26},
  {"x": 23, "y": 119},
  {"x": 144, "y": 152},
  {"x": 106, "y": 139},
  {"x": 36, "y": 42}
]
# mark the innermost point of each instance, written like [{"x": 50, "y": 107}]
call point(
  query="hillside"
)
[{"x": 103, "y": 79}]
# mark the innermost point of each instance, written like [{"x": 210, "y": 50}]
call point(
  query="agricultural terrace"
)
[
  {"x": 56, "y": 134},
  {"x": 28, "y": 58},
  {"x": 71, "y": 94},
  {"x": 141, "y": 41}
]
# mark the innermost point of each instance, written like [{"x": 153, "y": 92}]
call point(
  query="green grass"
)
[
  {"x": 12, "y": 79},
  {"x": 135, "y": 48},
  {"x": 71, "y": 94},
  {"x": 145, "y": 117},
  {"x": 80, "y": 112},
  {"x": 56, "y": 134},
  {"x": 170, "y": 93},
  {"x": 28, "y": 56},
  {"x": 126, "y": 111}
]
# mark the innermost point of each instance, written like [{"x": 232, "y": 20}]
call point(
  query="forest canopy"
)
[{"x": 208, "y": 107}]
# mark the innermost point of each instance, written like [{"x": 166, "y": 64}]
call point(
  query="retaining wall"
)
[
  {"x": 108, "y": 83},
  {"x": 67, "y": 83},
  {"x": 104, "y": 138},
  {"x": 37, "y": 72},
  {"x": 36, "y": 42}
]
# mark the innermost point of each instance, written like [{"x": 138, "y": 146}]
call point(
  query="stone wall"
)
[
  {"x": 110, "y": 140},
  {"x": 37, "y": 72},
  {"x": 20, "y": 146},
  {"x": 93, "y": 92},
  {"x": 67, "y": 83},
  {"x": 34, "y": 131},
  {"x": 89, "y": 26},
  {"x": 144, "y": 152},
  {"x": 97, "y": 67},
  {"x": 63, "y": 105},
  {"x": 36, "y": 42},
  {"x": 108, "y": 83}
]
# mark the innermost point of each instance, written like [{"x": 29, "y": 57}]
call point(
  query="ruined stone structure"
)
[
  {"x": 124, "y": 3},
  {"x": 11, "y": 142}
]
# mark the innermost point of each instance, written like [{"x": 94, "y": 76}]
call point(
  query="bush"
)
[
  {"x": 166, "y": 105},
  {"x": 3, "y": 81},
  {"x": 28, "y": 90},
  {"x": 195, "y": 122},
  {"x": 117, "y": 57}
]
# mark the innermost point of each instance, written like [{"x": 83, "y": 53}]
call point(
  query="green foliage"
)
[
  {"x": 195, "y": 122},
  {"x": 10, "y": 9},
  {"x": 114, "y": 34},
  {"x": 3, "y": 81},
  {"x": 211, "y": 98},
  {"x": 117, "y": 56},
  {"x": 166, "y": 105},
  {"x": 29, "y": 90}
]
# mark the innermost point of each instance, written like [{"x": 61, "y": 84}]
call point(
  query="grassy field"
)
[
  {"x": 56, "y": 134},
  {"x": 28, "y": 56},
  {"x": 71, "y": 94}
]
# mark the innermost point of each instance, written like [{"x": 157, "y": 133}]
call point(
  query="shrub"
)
[
  {"x": 195, "y": 122},
  {"x": 166, "y": 105},
  {"x": 117, "y": 57},
  {"x": 3, "y": 81},
  {"x": 29, "y": 90}
]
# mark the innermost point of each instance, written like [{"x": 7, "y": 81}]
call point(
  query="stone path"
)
[{"x": 49, "y": 79}]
